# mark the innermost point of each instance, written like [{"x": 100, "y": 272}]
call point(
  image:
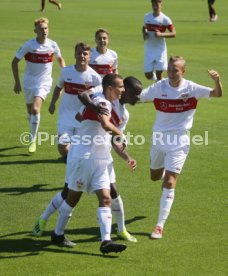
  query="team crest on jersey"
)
[
  {"x": 185, "y": 96},
  {"x": 163, "y": 105}
]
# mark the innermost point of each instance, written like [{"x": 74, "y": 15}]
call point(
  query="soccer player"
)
[
  {"x": 133, "y": 88},
  {"x": 74, "y": 79},
  {"x": 154, "y": 33},
  {"x": 39, "y": 54},
  {"x": 88, "y": 166},
  {"x": 212, "y": 13},
  {"x": 175, "y": 100},
  {"x": 103, "y": 60},
  {"x": 120, "y": 117},
  {"x": 56, "y": 3}
]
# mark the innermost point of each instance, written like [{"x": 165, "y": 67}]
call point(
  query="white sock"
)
[
  {"x": 166, "y": 202},
  {"x": 53, "y": 206},
  {"x": 105, "y": 221},
  {"x": 118, "y": 212},
  {"x": 63, "y": 219},
  {"x": 34, "y": 125}
]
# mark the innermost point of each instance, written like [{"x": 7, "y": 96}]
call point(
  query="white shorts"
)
[
  {"x": 65, "y": 133},
  {"x": 155, "y": 63},
  {"x": 36, "y": 92},
  {"x": 169, "y": 152},
  {"x": 111, "y": 172},
  {"x": 88, "y": 175}
]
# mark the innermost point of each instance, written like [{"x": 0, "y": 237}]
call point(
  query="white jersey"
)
[
  {"x": 39, "y": 60},
  {"x": 92, "y": 141},
  {"x": 122, "y": 113},
  {"x": 105, "y": 63},
  {"x": 155, "y": 47},
  {"x": 175, "y": 106},
  {"x": 74, "y": 83}
]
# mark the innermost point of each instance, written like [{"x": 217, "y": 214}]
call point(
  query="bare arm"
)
[
  {"x": 108, "y": 126},
  {"x": 125, "y": 156},
  {"x": 145, "y": 33},
  {"x": 61, "y": 62},
  {"x": 217, "y": 91},
  {"x": 55, "y": 97},
  {"x": 169, "y": 34},
  {"x": 17, "y": 85}
]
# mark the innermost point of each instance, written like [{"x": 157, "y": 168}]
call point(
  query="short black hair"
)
[
  {"x": 133, "y": 84},
  {"x": 110, "y": 80}
]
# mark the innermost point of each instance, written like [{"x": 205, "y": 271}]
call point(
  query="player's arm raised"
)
[{"x": 217, "y": 91}]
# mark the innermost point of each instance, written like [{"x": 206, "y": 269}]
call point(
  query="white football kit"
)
[
  {"x": 175, "y": 109},
  {"x": 105, "y": 63},
  {"x": 74, "y": 83},
  {"x": 89, "y": 155},
  {"x": 155, "y": 50},
  {"x": 38, "y": 73}
]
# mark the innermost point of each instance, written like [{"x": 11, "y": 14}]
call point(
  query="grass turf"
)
[{"x": 195, "y": 234}]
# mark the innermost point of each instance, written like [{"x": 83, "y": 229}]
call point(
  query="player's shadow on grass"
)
[
  {"x": 220, "y": 34},
  {"x": 31, "y": 246},
  {"x": 24, "y": 190},
  {"x": 31, "y": 162},
  {"x": 12, "y": 148},
  {"x": 28, "y": 247}
]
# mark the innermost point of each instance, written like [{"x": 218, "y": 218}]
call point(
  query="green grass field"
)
[{"x": 195, "y": 239}]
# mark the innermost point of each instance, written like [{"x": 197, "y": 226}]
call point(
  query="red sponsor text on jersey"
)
[
  {"x": 89, "y": 114},
  {"x": 175, "y": 106},
  {"x": 75, "y": 88},
  {"x": 102, "y": 69},
  {"x": 160, "y": 28},
  {"x": 39, "y": 58}
]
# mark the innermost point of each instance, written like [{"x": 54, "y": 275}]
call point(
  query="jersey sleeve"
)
[
  {"x": 148, "y": 94},
  {"x": 23, "y": 50},
  {"x": 115, "y": 64},
  {"x": 57, "y": 51},
  {"x": 200, "y": 91}
]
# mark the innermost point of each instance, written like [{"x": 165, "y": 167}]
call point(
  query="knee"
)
[
  {"x": 35, "y": 110},
  {"x": 113, "y": 191},
  {"x": 65, "y": 191},
  {"x": 168, "y": 185},
  {"x": 106, "y": 201}
]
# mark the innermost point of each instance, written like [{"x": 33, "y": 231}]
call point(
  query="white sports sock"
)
[
  {"x": 166, "y": 202},
  {"x": 64, "y": 212},
  {"x": 105, "y": 221},
  {"x": 53, "y": 206},
  {"x": 118, "y": 212},
  {"x": 34, "y": 125}
]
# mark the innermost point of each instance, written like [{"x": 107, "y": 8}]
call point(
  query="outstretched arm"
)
[
  {"x": 217, "y": 91},
  {"x": 170, "y": 34},
  {"x": 17, "y": 85}
]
